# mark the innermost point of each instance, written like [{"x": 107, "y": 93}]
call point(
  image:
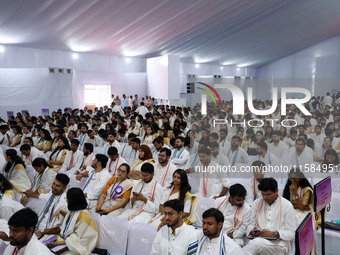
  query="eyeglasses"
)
[
  {"x": 170, "y": 214},
  {"x": 121, "y": 171}
]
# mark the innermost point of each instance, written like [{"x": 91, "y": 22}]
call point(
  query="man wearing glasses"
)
[{"x": 176, "y": 237}]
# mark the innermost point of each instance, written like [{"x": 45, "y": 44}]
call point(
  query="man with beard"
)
[
  {"x": 176, "y": 237},
  {"x": 55, "y": 200},
  {"x": 21, "y": 235},
  {"x": 164, "y": 168},
  {"x": 180, "y": 157},
  {"x": 236, "y": 213},
  {"x": 213, "y": 240},
  {"x": 111, "y": 142}
]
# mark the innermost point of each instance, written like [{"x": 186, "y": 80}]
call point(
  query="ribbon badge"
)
[{"x": 118, "y": 190}]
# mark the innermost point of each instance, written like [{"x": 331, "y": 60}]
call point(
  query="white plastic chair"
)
[
  {"x": 140, "y": 238},
  {"x": 3, "y": 247},
  {"x": 35, "y": 204},
  {"x": 113, "y": 233},
  {"x": 30, "y": 172},
  {"x": 4, "y": 148},
  {"x": 97, "y": 150},
  {"x": 203, "y": 204}
]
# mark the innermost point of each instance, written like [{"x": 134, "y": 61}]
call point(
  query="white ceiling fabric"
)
[{"x": 231, "y": 32}]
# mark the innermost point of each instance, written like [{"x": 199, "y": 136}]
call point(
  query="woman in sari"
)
[
  {"x": 299, "y": 192},
  {"x": 145, "y": 155},
  {"x": 16, "y": 140},
  {"x": 320, "y": 152},
  {"x": 45, "y": 142},
  {"x": 15, "y": 171},
  {"x": 149, "y": 136},
  {"x": 58, "y": 155},
  {"x": 79, "y": 230},
  {"x": 179, "y": 189},
  {"x": 6, "y": 188},
  {"x": 116, "y": 193}
]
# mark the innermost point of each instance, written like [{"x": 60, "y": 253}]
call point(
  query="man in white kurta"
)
[
  {"x": 236, "y": 213},
  {"x": 93, "y": 139},
  {"x": 28, "y": 154},
  {"x": 145, "y": 197},
  {"x": 97, "y": 179},
  {"x": 213, "y": 240},
  {"x": 180, "y": 157},
  {"x": 176, "y": 238},
  {"x": 115, "y": 160},
  {"x": 236, "y": 154},
  {"x": 54, "y": 200},
  {"x": 263, "y": 155},
  {"x": 279, "y": 148},
  {"x": 216, "y": 156},
  {"x": 213, "y": 184},
  {"x": 164, "y": 168},
  {"x": 8, "y": 207},
  {"x": 23, "y": 241},
  {"x": 133, "y": 153},
  {"x": 253, "y": 191},
  {"x": 111, "y": 142},
  {"x": 275, "y": 217},
  {"x": 298, "y": 157},
  {"x": 73, "y": 159}
]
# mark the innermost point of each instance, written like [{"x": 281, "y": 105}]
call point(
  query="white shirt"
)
[
  {"x": 165, "y": 243},
  {"x": 229, "y": 212},
  {"x": 238, "y": 156},
  {"x": 112, "y": 166},
  {"x": 70, "y": 167},
  {"x": 35, "y": 153},
  {"x": 279, "y": 150},
  {"x": 34, "y": 247},
  {"x": 212, "y": 247},
  {"x": 181, "y": 158},
  {"x": 160, "y": 171},
  {"x": 58, "y": 202},
  {"x": 94, "y": 186},
  {"x": 108, "y": 145}
]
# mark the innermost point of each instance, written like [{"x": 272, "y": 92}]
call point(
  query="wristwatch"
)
[{"x": 276, "y": 234}]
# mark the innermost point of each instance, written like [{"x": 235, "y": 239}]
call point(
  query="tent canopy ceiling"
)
[{"x": 227, "y": 32}]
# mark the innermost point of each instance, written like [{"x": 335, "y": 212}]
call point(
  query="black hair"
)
[
  {"x": 63, "y": 178},
  {"x": 148, "y": 168},
  {"x": 167, "y": 151},
  {"x": 213, "y": 212},
  {"x": 135, "y": 140},
  {"x": 302, "y": 183},
  {"x": 26, "y": 218},
  {"x": 40, "y": 162},
  {"x": 263, "y": 145},
  {"x": 102, "y": 159},
  {"x": 268, "y": 184},
  {"x": 258, "y": 163},
  {"x": 12, "y": 153},
  {"x": 204, "y": 150},
  {"x": 301, "y": 140},
  {"x": 158, "y": 139},
  {"x": 175, "y": 204},
  {"x": 112, "y": 151},
  {"x": 25, "y": 147},
  {"x": 76, "y": 199},
  {"x": 237, "y": 137},
  {"x": 88, "y": 146},
  {"x": 127, "y": 167},
  {"x": 237, "y": 190},
  {"x": 29, "y": 139},
  {"x": 214, "y": 145},
  {"x": 75, "y": 141},
  {"x": 6, "y": 184}
]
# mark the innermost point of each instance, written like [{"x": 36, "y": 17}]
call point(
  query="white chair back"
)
[
  {"x": 203, "y": 204},
  {"x": 140, "y": 238},
  {"x": 113, "y": 234}
]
